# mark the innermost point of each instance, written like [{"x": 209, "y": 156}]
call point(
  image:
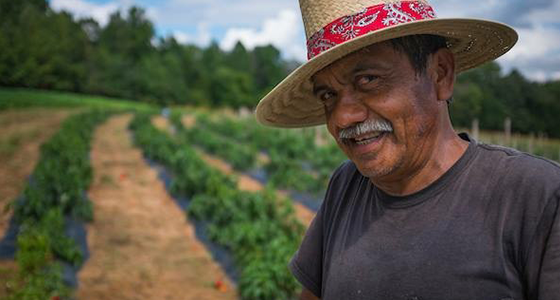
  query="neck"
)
[{"x": 446, "y": 150}]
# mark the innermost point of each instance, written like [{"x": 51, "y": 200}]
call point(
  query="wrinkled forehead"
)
[{"x": 375, "y": 56}]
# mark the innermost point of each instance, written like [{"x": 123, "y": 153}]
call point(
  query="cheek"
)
[
  {"x": 410, "y": 116},
  {"x": 331, "y": 129}
]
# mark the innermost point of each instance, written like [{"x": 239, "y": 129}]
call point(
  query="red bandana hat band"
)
[{"x": 370, "y": 19}]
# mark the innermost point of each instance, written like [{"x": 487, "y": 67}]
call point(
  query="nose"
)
[{"x": 348, "y": 110}]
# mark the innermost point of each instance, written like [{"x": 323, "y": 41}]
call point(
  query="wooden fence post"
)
[
  {"x": 507, "y": 131},
  {"x": 474, "y": 129},
  {"x": 531, "y": 143}
]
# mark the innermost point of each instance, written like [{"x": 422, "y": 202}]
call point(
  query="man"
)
[{"x": 419, "y": 212}]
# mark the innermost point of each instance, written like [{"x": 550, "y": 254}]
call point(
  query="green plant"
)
[
  {"x": 55, "y": 192},
  {"x": 39, "y": 276},
  {"x": 259, "y": 229}
]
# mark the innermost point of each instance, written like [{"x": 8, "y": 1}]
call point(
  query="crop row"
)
[
  {"x": 241, "y": 157},
  {"x": 55, "y": 192},
  {"x": 259, "y": 229},
  {"x": 295, "y": 161}
]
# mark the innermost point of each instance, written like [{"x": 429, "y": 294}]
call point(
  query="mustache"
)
[{"x": 367, "y": 126}]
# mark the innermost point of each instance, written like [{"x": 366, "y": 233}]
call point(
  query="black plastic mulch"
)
[
  {"x": 74, "y": 229},
  {"x": 312, "y": 202}
]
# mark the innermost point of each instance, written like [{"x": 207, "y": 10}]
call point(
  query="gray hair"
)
[{"x": 366, "y": 126}]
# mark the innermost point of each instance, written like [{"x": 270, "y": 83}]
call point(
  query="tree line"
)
[
  {"x": 51, "y": 50},
  {"x": 45, "y": 49}
]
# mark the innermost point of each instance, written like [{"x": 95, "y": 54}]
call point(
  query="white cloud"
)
[
  {"x": 220, "y": 13},
  {"x": 537, "y": 53},
  {"x": 260, "y": 22},
  {"x": 182, "y": 37},
  {"x": 83, "y": 9},
  {"x": 202, "y": 37},
  {"x": 283, "y": 31},
  {"x": 535, "y": 42}
]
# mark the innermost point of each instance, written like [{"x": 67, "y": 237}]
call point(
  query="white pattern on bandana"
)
[
  {"x": 395, "y": 15},
  {"x": 347, "y": 27},
  {"x": 421, "y": 9}
]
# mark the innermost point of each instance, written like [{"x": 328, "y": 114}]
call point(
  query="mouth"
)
[
  {"x": 365, "y": 139},
  {"x": 369, "y": 138}
]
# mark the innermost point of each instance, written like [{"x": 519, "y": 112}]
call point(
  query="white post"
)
[
  {"x": 507, "y": 131},
  {"x": 531, "y": 143},
  {"x": 474, "y": 129}
]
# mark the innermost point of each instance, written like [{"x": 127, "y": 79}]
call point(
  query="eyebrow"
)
[{"x": 360, "y": 67}]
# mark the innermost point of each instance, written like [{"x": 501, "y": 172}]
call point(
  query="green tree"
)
[
  {"x": 239, "y": 58},
  {"x": 231, "y": 88},
  {"x": 268, "y": 68},
  {"x": 130, "y": 37},
  {"x": 122, "y": 44},
  {"x": 467, "y": 104}
]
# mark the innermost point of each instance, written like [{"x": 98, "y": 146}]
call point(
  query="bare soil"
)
[
  {"x": 142, "y": 246},
  {"x": 188, "y": 121},
  {"x": 8, "y": 273},
  {"x": 162, "y": 123},
  {"x": 22, "y": 132}
]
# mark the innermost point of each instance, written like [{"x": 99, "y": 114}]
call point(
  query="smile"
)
[
  {"x": 368, "y": 138},
  {"x": 365, "y": 139}
]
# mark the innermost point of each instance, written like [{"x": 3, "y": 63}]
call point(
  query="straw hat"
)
[{"x": 335, "y": 28}]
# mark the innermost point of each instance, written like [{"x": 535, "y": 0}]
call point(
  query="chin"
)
[
  {"x": 376, "y": 169},
  {"x": 375, "y": 172}
]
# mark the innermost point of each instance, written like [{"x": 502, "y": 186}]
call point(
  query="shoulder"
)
[
  {"x": 519, "y": 181},
  {"x": 520, "y": 167}
]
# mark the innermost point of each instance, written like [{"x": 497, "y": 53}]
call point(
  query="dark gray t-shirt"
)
[{"x": 489, "y": 228}]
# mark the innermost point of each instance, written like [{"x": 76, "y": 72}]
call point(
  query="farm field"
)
[
  {"x": 21, "y": 135},
  {"x": 141, "y": 246},
  {"x": 127, "y": 201}
]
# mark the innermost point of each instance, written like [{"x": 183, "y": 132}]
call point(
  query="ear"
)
[{"x": 443, "y": 73}]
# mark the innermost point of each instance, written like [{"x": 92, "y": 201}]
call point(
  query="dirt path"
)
[
  {"x": 21, "y": 134},
  {"x": 162, "y": 123},
  {"x": 141, "y": 245}
]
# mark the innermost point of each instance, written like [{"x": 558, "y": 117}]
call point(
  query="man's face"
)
[{"x": 382, "y": 114}]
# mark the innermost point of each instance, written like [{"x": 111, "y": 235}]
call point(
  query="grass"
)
[
  {"x": 11, "y": 98},
  {"x": 533, "y": 144}
]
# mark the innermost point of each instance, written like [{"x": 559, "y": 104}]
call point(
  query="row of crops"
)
[
  {"x": 295, "y": 162},
  {"x": 53, "y": 197},
  {"x": 259, "y": 229}
]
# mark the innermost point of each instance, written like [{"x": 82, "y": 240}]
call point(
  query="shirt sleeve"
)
[
  {"x": 307, "y": 263},
  {"x": 543, "y": 264}
]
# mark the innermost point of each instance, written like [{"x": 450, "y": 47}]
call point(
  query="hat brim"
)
[{"x": 292, "y": 103}]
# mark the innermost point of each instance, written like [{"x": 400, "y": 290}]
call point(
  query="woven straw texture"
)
[
  {"x": 292, "y": 103},
  {"x": 317, "y": 14}
]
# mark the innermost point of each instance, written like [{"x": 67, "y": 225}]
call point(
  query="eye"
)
[
  {"x": 326, "y": 96},
  {"x": 366, "y": 79}
]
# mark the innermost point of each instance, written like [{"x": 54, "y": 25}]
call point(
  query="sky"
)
[{"x": 278, "y": 22}]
